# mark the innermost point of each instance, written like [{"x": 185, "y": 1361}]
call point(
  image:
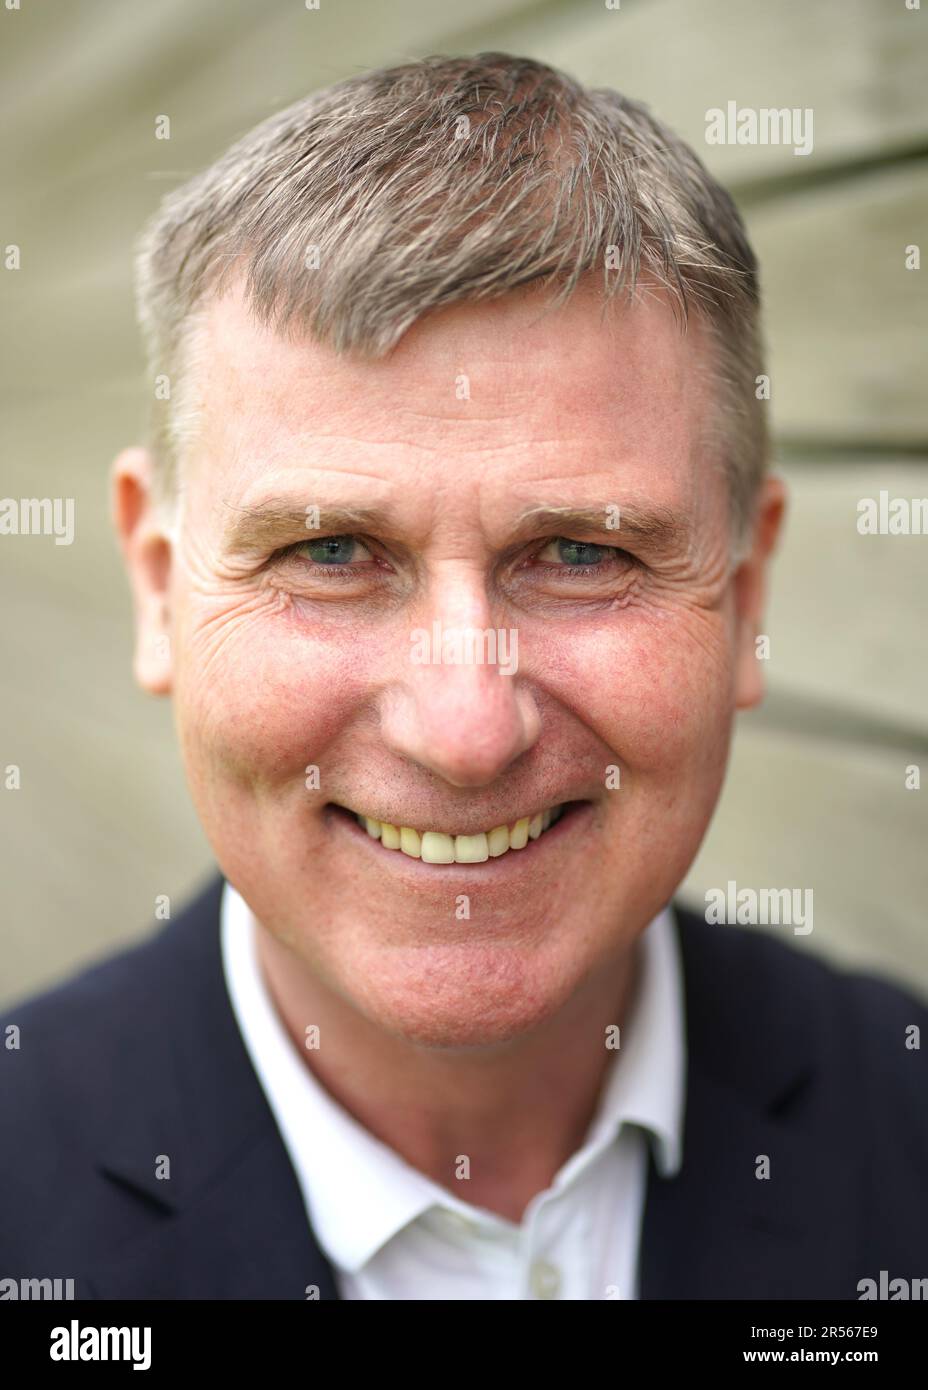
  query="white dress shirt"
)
[{"x": 390, "y": 1232}]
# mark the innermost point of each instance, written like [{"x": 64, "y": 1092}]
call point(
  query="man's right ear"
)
[{"x": 147, "y": 551}]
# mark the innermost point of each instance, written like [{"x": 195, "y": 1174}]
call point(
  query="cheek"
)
[
  {"x": 257, "y": 698},
  {"x": 657, "y": 688}
]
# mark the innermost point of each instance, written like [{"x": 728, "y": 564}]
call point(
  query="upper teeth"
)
[{"x": 434, "y": 847}]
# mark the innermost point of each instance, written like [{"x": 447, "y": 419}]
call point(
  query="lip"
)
[{"x": 507, "y": 867}]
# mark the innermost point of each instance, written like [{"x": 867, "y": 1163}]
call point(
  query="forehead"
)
[
  {"x": 478, "y": 414},
  {"x": 515, "y": 360}
]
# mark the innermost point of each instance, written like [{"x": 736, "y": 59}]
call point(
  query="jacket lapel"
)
[
  {"x": 229, "y": 1220},
  {"x": 716, "y": 1230},
  {"x": 245, "y": 1236}
]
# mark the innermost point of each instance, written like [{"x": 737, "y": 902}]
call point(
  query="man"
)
[{"x": 452, "y": 558}]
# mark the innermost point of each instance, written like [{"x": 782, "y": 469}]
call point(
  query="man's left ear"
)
[
  {"x": 750, "y": 581},
  {"x": 147, "y": 551}
]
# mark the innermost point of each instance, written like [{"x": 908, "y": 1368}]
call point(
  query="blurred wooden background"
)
[{"x": 816, "y": 796}]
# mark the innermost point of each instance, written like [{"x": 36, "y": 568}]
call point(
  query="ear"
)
[
  {"x": 147, "y": 551},
  {"x": 750, "y": 581}
]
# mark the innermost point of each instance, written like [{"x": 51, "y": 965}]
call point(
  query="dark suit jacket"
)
[{"x": 141, "y": 1056}]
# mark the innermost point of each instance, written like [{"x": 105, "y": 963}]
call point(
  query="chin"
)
[{"x": 464, "y": 997}]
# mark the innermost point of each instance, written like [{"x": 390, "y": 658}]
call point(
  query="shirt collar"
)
[
  {"x": 332, "y": 1153},
  {"x": 645, "y": 1085}
]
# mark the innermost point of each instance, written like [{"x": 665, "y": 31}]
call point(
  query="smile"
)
[{"x": 435, "y": 847}]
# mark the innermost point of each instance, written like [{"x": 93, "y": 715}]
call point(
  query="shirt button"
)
[{"x": 545, "y": 1279}]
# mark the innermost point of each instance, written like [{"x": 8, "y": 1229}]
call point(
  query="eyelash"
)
[
  {"x": 313, "y": 567},
  {"x": 615, "y": 552},
  {"x": 615, "y": 555}
]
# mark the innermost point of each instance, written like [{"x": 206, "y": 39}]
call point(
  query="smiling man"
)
[{"x": 456, "y": 347}]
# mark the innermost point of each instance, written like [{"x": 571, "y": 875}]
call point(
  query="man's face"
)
[{"x": 634, "y": 644}]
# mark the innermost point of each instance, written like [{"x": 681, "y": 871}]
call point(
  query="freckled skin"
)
[{"x": 274, "y": 670}]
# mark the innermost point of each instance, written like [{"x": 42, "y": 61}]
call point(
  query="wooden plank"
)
[
  {"x": 845, "y": 318},
  {"x": 86, "y": 80},
  {"x": 798, "y": 813},
  {"x": 846, "y": 612},
  {"x": 857, "y": 64}
]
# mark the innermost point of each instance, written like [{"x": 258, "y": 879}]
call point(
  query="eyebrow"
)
[
  {"x": 658, "y": 527},
  {"x": 269, "y": 523},
  {"x": 274, "y": 522}
]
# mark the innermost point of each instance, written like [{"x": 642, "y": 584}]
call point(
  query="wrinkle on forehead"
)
[{"x": 625, "y": 379}]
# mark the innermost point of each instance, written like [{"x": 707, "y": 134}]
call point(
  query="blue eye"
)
[
  {"x": 334, "y": 550},
  {"x": 575, "y": 553},
  {"x": 579, "y": 553}
]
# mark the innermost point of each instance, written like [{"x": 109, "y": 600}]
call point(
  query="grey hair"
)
[{"x": 359, "y": 208}]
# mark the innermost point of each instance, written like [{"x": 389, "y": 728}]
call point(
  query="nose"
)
[{"x": 459, "y": 706}]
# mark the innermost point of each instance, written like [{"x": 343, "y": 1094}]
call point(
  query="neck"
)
[{"x": 493, "y": 1125}]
